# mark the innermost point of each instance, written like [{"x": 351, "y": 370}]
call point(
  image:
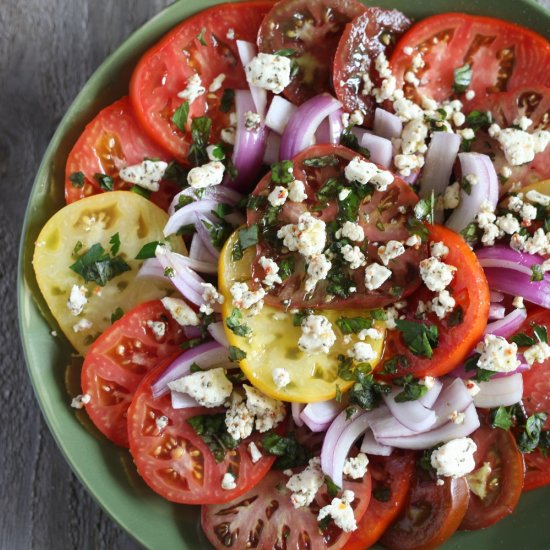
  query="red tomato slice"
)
[
  {"x": 387, "y": 213},
  {"x": 536, "y": 398},
  {"x": 312, "y": 28},
  {"x": 111, "y": 141},
  {"x": 392, "y": 474},
  {"x": 431, "y": 516},
  {"x": 266, "y": 516},
  {"x": 503, "y": 56},
  {"x": 165, "y": 68},
  {"x": 532, "y": 102},
  {"x": 498, "y": 449},
  {"x": 118, "y": 360},
  {"x": 175, "y": 462},
  {"x": 368, "y": 35},
  {"x": 470, "y": 291}
]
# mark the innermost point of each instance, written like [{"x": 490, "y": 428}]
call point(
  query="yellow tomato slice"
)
[
  {"x": 540, "y": 186},
  {"x": 89, "y": 221},
  {"x": 274, "y": 342}
]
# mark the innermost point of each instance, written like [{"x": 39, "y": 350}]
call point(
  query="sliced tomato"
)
[
  {"x": 502, "y": 55},
  {"x": 536, "y": 398},
  {"x": 119, "y": 359},
  {"x": 387, "y": 214},
  {"x": 374, "y": 32},
  {"x": 532, "y": 102},
  {"x": 470, "y": 290},
  {"x": 312, "y": 29},
  {"x": 111, "y": 141},
  {"x": 391, "y": 481},
  {"x": 432, "y": 514},
  {"x": 265, "y": 518},
  {"x": 204, "y": 44},
  {"x": 175, "y": 462},
  {"x": 496, "y": 482}
]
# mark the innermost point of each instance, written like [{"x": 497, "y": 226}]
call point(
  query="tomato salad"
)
[{"x": 306, "y": 261}]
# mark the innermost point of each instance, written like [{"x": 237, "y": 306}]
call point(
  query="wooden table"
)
[{"x": 48, "y": 49}]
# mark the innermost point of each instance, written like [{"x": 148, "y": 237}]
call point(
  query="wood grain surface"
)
[{"x": 48, "y": 49}]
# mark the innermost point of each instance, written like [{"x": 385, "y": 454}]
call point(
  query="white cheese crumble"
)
[
  {"x": 209, "y": 388},
  {"x": 537, "y": 353},
  {"x": 252, "y": 121},
  {"x": 392, "y": 250},
  {"x": 356, "y": 467},
  {"x": 228, "y": 481},
  {"x": 77, "y": 299},
  {"x": 297, "y": 191},
  {"x": 308, "y": 236},
  {"x": 158, "y": 328},
  {"x": 341, "y": 512},
  {"x": 455, "y": 458},
  {"x": 271, "y": 72},
  {"x": 82, "y": 325},
  {"x": 146, "y": 174},
  {"x": 207, "y": 175},
  {"x": 376, "y": 275},
  {"x": 193, "y": 90},
  {"x": 278, "y": 196},
  {"x": 352, "y": 231},
  {"x": 353, "y": 255},
  {"x": 271, "y": 270},
  {"x": 181, "y": 312},
  {"x": 451, "y": 196},
  {"x": 254, "y": 452},
  {"x": 442, "y": 304},
  {"x": 243, "y": 297},
  {"x": 239, "y": 421},
  {"x": 268, "y": 412},
  {"x": 498, "y": 355},
  {"x": 211, "y": 298},
  {"x": 508, "y": 224},
  {"x": 518, "y": 146},
  {"x": 538, "y": 198},
  {"x": 372, "y": 333},
  {"x": 362, "y": 352},
  {"x": 317, "y": 334},
  {"x": 79, "y": 401},
  {"x": 436, "y": 274},
  {"x": 161, "y": 422},
  {"x": 217, "y": 83},
  {"x": 438, "y": 250},
  {"x": 518, "y": 302},
  {"x": 281, "y": 377},
  {"x": 317, "y": 270},
  {"x": 457, "y": 417},
  {"x": 304, "y": 485}
]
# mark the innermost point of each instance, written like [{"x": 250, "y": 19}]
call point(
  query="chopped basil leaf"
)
[
  {"x": 424, "y": 209},
  {"x": 396, "y": 291},
  {"x": 236, "y": 354},
  {"x": 523, "y": 340},
  {"x": 471, "y": 234},
  {"x": 282, "y": 172},
  {"x": 349, "y": 139},
  {"x": 353, "y": 325},
  {"x": 116, "y": 315},
  {"x": 105, "y": 182},
  {"x": 466, "y": 186},
  {"x": 145, "y": 193},
  {"x": 365, "y": 392},
  {"x": 286, "y": 267},
  {"x": 200, "y": 36},
  {"x": 77, "y": 179},
  {"x": 97, "y": 266},
  {"x": 391, "y": 365},
  {"x": 255, "y": 202},
  {"x": 169, "y": 272},
  {"x": 147, "y": 251},
  {"x": 536, "y": 273},
  {"x": 77, "y": 248},
  {"x": 462, "y": 78},
  {"x": 541, "y": 333},
  {"x": 114, "y": 241},
  {"x": 212, "y": 430},
  {"x": 234, "y": 323},
  {"x": 287, "y": 52},
  {"x": 180, "y": 116},
  {"x": 330, "y": 189},
  {"x": 289, "y": 453},
  {"x": 476, "y": 120},
  {"x": 528, "y": 440},
  {"x": 420, "y": 338},
  {"x": 456, "y": 317},
  {"x": 219, "y": 232},
  {"x": 502, "y": 417},
  {"x": 200, "y": 134},
  {"x": 176, "y": 173},
  {"x": 194, "y": 368},
  {"x": 321, "y": 162},
  {"x": 248, "y": 236},
  {"x": 191, "y": 343},
  {"x": 382, "y": 493},
  {"x": 297, "y": 318},
  {"x": 228, "y": 98},
  {"x": 332, "y": 488},
  {"x": 412, "y": 389}
]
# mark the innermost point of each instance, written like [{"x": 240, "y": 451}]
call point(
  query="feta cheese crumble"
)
[
  {"x": 537, "y": 353},
  {"x": 79, "y": 401},
  {"x": 317, "y": 334},
  {"x": 352, "y": 231},
  {"x": 268, "y": 71},
  {"x": 243, "y": 297},
  {"x": 228, "y": 481},
  {"x": 341, "y": 512},
  {"x": 376, "y": 275},
  {"x": 455, "y": 458},
  {"x": 436, "y": 274},
  {"x": 392, "y": 250},
  {"x": 297, "y": 191},
  {"x": 254, "y": 452},
  {"x": 82, "y": 325},
  {"x": 268, "y": 412},
  {"x": 217, "y": 83},
  {"x": 362, "y": 352},
  {"x": 207, "y": 175},
  {"x": 353, "y": 255},
  {"x": 308, "y": 236},
  {"x": 304, "y": 485},
  {"x": 212, "y": 298},
  {"x": 271, "y": 270},
  {"x": 193, "y": 90},
  {"x": 498, "y": 355},
  {"x": 239, "y": 420},
  {"x": 317, "y": 270},
  {"x": 146, "y": 174},
  {"x": 77, "y": 299},
  {"x": 278, "y": 196},
  {"x": 281, "y": 377},
  {"x": 356, "y": 467},
  {"x": 158, "y": 328},
  {"x": 180, "y": 312},
  {"x": 438, "y": 250},
  {"x": 209, "y": 388}
]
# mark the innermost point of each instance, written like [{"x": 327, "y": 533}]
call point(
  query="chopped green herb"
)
[
  {"x": 536, "y": 273},
  {"x": 97, "y": 266},
  {"x": 286, "y": 267},
  {"x": 221, "y": 210},
  {"x": 354, "y": 325},
  {"x": 382, "y": 493},
  {"x": 255, "y": 202},
  {"x": 248, "y": 236},
  {"x": 420, "y": 338},
  {"x": 191, "y": 343},
  {"x": 462, "y": 78},
  {"x": 77, "y": 179},
  {"x": 147, "y": 251},
  {"x": 227, "y": 101},
  {"x": 116, "y": 315},
  {"x": 476, "y": 120},
  {"x": 194, "y": 368},
  {"x": 321, "y": 162},
  {"x": 289, "y": 453},
  {"x": 234, "y": 323},
  {"x": 180, "y": 116},
  {"x": 338, "y": 396},
  {"x": 330, "y": 189},
  {"x": 412, "y": 389},
  {"x": 77, "y": 248},
  {"x": 471, "y": 234},
  {"x": 200, "y": 37},
  {"x": 219, "y": 232},
  {"x": 394, "y": 363},
  {"x": 528, "y": 440},
  {"x": 396, "y": 291},
  {"x": 297, "y": 318},
  {"x": 177, "y": 174},
  {"x": 424, "y": 209},
  {"x": 114, "y": 241},
  {"x": 200, "y": 134},
  {"x": 349, "y": 139},
  {"x": 169, "y": 272},
  {"x": 105, "y": 182},
  {"x": 145, "y": 193},
  {"x": 287, "y": 52},
  {"x": 212, "y": 430},
  {"x": 466, "y": 186},
  {"x": 282, "y": 172},
  {"x": 502, "y": 417},
  {"x": 332, "y": 488},
  {"x": 236, "y": 354},
  {"x": 523, "y": 340},
  {"x": 456, "y": 317}
]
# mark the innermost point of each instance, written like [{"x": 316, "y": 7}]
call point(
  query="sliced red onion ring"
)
[
  {"x": 430, "y": 397},
  {"x": 508, "y": 325},
  {"x": 519, "y": 284},
  {"x": 496, "y": 311},
  {"x": 247, "y": 50},
  {"x": 182, "y": 400},
  {"x": 412, "y": 414},
  {"x": 442, "y": 434},
  {"x": 486, "y": 189},
  {"x": 301, "y": 127},
  {"x": 186, "y": 215},
  {"x": 500, "y": 392},
  {"x": 504, "y": 257},
  {"x": 335, "y": 126},
  {"x": 279, "y": 113},
  {"x": 271, "y": 155},
  {"x": 372, "y": 447},
  {"x": 381, "y": 149},
  {"x": 331, "y": 438},
  {"x": 218, "y": 193},
  {"x": 197, "y": 251},
  {"x": 218, "y": 333},
  {"x": 184, "y": 278},
  {"x": 438, "y": 167},
  {"x": 204, "y": 235},
  {"x": 296, "y": 409},
  {"x": 250, "y": 145},
  {"x": 192, "y": 332},
  {"x": 496, "y": 297},
  {"x": 386, "y": 124},
  {"x": 339, "y": 447},
  {"x": 206, "y": 355},
  {"x": 318, "y": 416},
  {"x": 151, "y": 268},
  {"x": 201, "y": 266}
]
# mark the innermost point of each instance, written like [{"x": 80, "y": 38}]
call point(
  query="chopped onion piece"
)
[
  {"x": 386, "y": 124},
  {"x": 279, "y": 113},
  {"x": 271, "y": 155},
  {"x": 318, "y": 416},
  {"x": 204, "y": 235},
  {"x": 372, "y": 447},
  {"x": 296, "y": 409},
  {"x": 412, "y": 414},
  {"x": 151, "y": 268},
  {"x": 430, "y": 397},
  {"x": 496, "y": 311},
  {"x": 197, "y": 251},
  {"x": 381, "y": 149},
  {"x": 182, "y": 400},
  {"x": 508, "y": 325},
  {"x": 500, "y": 392},
  {"x": 186, "y": 215},
  {"x": 217, "y": 332},
  {"x": 519, "y": 284},
  {"x": 218, "y": 193}
]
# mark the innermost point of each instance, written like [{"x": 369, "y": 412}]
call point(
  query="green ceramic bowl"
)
[{"x": 106, "y": 470}]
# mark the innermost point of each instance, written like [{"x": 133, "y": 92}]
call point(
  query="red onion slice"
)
[
  {"x": 151, "y": 268},
  {"x": 505, "y": 257},
  {"x": 197, "y": 251},
  {"x": 508, "y": 325},
  {"x": 386, "y": 124},
  {"x": 186, "y": 215},
  {"x": 438, "y": 167},
  {"x": 500, "y": 392},
  {"x": 318, "y": 416},
  {"x": 486, "y": 189},
  {"x": 412, "y": 414},
  {"x": 192, "y": 332},
  {"x": 192, "y": 264},
  {"x": 496, "y": 311},
  {"x": 204, "y": 235},
  {"x": 182, "y": 400},
  {"x": 301, "y": 127},
  {"x": 519, "y": 284},
  {"x": 381, "y": 149},
  {"x": 218, "y": 193},
  {"x": 442, "y": 434},
  {"x": 271, "y": 155},
  {"x": 279, "y": 113},
  {"x": 430, "y": 397},
  {"x": 250, "y": 145},
  {"x": 496, "y": 297},
  {"x": 206, "y": 355},
  {"x": 296, "y": 409},
  {"x": 331, "y": 438},
  {"x": 372, "y": 447},
  {"x": 335, "y": 126},
  {"x": 247, "y": 50},
  {"x": 217, "y": 332}
]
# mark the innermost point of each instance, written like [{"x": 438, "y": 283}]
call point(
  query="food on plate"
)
[{"x": 307, "y": 261}]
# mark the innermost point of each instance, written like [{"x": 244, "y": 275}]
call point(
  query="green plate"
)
[{"x": 106, "y": 470}]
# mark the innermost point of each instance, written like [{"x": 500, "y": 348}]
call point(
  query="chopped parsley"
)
[
  {"x": 540, "y": 334},
  {"x": 349, "y": 139},
  {"x": 98, "y": 266},
  {"x": 116, "y": 315},
  {"x": 420, "y": 338},
  {"x": 228, "y": 98},
  {"x": 234, "y": 323},
  {"x": 353, "y": 325},
  {"x": 147, "y": 251},
  {"x": 391, "y": 365},
  {"x": 114, "y": 241},
  {"x": 321, "y": 162}
]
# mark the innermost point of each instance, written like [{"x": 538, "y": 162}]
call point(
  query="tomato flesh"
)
[
  {"x": 119, "y": 359},
  {"x": 175, "y": 462},
  {"x": 204, "y": 44},
  {"x": 367, "y": 36},
  {"x": 312, "y": 30},
  {"x": 111, "y": 141},
  {"x": 470, "y": 291}
]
